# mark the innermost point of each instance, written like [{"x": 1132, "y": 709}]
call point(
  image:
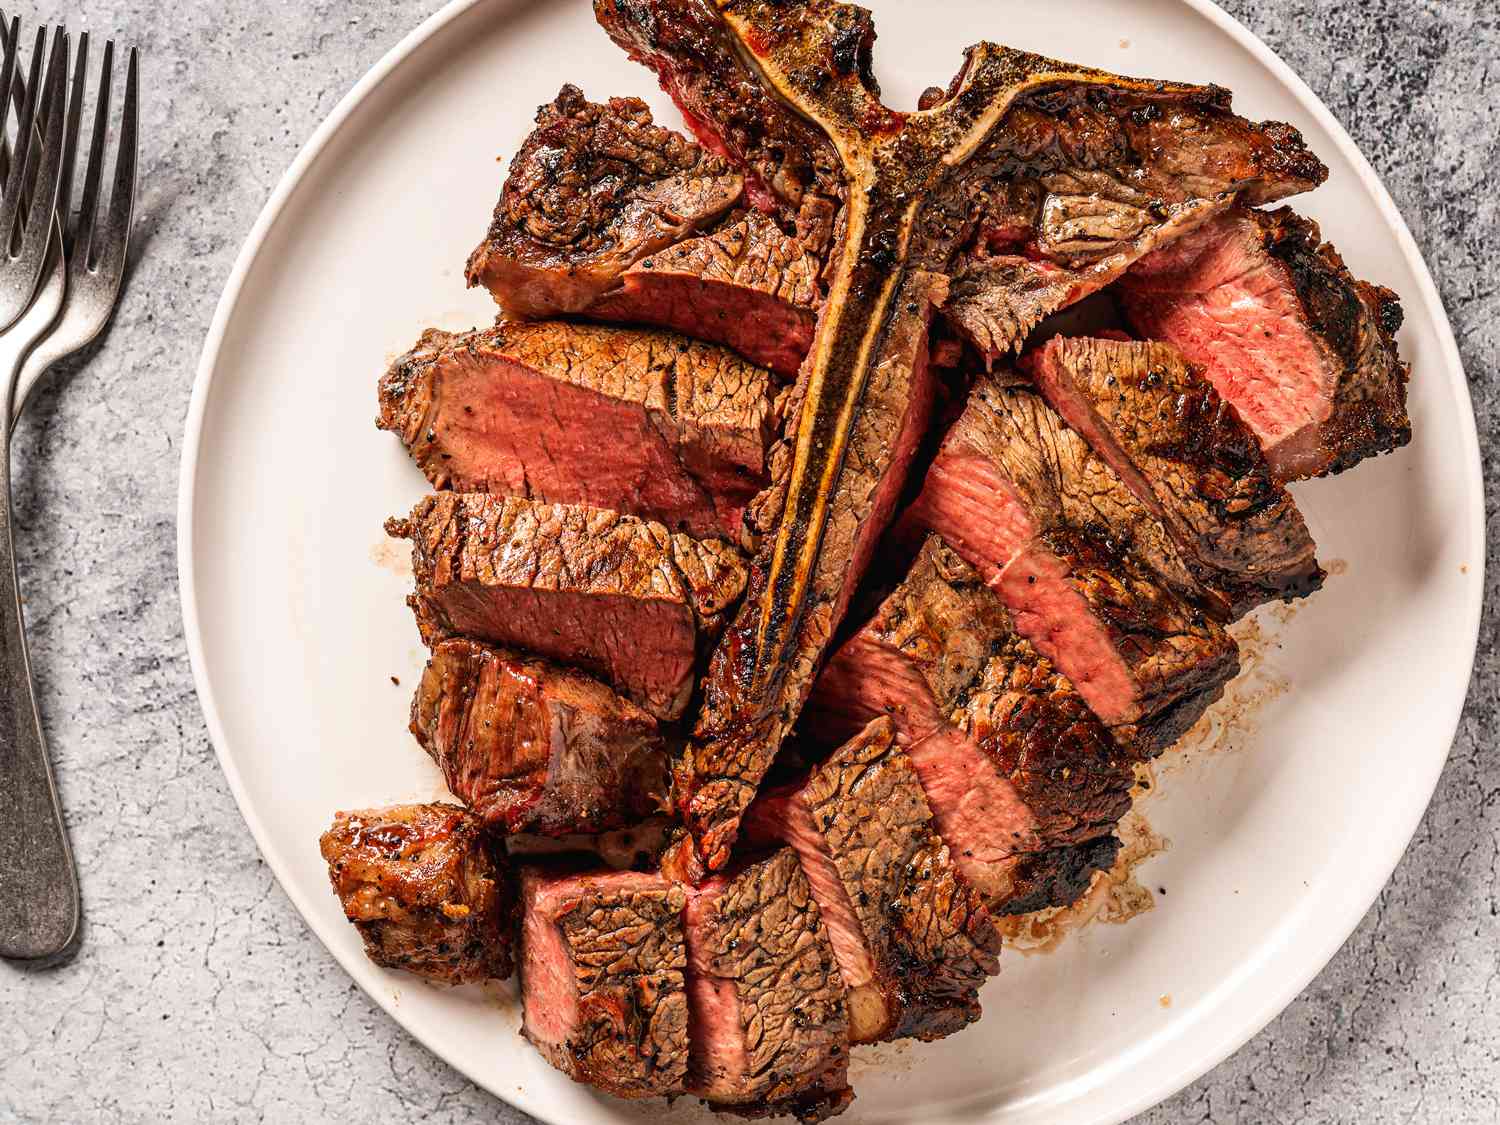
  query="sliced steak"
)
[
  {"x": 602, "y": 978},
  {"x": 1188, "y": 456},
  {"x": 769, "y": 1022},
  {"x": 594, "y": 189},
  {"x": 533, "y": 747},
  {"x": 1102, "y": 181},
  {"x": 914, "y": 941},
  {"x": 1016, "y": 768},
  {"x": 746, "y": 285},
  {"x": 1075, "y": 558},
  {"x": 622, "y": 597},
  {"x": 424, "y": 890},
  {"x": 1304, "y": 351},
  {"x": 637, "y": 421}
]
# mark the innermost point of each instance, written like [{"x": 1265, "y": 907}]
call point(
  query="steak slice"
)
[
  {"x": 644, "y": 422},
  {"x": 1059, "y": 877},
  {"x": 1104, "y": 181},
  {"x": 594, "y": 189},
  {"x": 1304, "y": 351},
  {"x": 1018, "y": 771},
  {"x": 769, "y": 1018},
  {"x": 1057, "y": 535},
  {"x": 424, "y": 890},
  {"x": 621, "y": 597},
  {"x": 602, "y": 978},
  {"x": 1188, "y": 457},
  {"x": 746, "y": 285},
  {"x": 914, "y": 942},
  {"x": 534, "y": 747}
]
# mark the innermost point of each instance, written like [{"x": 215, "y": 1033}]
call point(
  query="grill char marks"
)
[
  {"x": 602, "y": 978},
  {"x": 594, "y": 190},
  {"x": 1065, "y": 545},
  {"x": 424, "y": 890},
  {"x": 914, "y": 941},
  {"x": 1021, "y": 777},
  {"x": 646, "y": 422},
  {"x": 1186, "y": 454},
  {"x": 770, "y": 1024},
  {"x": 1085, "y": 186},
  {"x": 793, "y": 170},
  {"x": 1304, "y": 351},
  {"x": 534, "y": 747},
  {"x": 621, "y": 597},
  {"x": 746, "y": 285}
]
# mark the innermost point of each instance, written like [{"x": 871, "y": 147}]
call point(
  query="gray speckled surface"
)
[{"x": 200, "y": 995}]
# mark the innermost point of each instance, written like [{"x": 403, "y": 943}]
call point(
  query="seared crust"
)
[
  {"x": 593, "y": 190},
  {"x": 511, "y": 571},
  {"x": 1357, "y": 322},
  {"x": 534, "y": 747},
  {"x": 760, "y": 933},
  {"x": 424, "y": 890},
  {"x": 625, "y": 950},
  {"x": 1189, "y": 457},
  {"x": 929, "y": 934},
  {"x": 518, "y": 409}
]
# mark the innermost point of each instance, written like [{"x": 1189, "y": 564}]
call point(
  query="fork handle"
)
[{"x": 39, "y": 908}]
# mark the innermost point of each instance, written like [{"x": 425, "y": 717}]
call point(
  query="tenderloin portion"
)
[
  {"x": 594, "y": 190},
  {"x": 644, "y": 422},
  {"x": 602, "y": 964},
  {"x": 622, "y": 597},
  {"x": 1091, "y": 181},
  {"x": 424, "y": 890},
  {"x": 1078, "y": 561},
  {"x": 746, "y": 285},
  {"x": 1188, "y": 457},
  {"x": 1022, "y": 779},
  {"x": 534, "y": 747},
  {"x": 770, "y": 1022},
  {"x": 914, "y": 942},
  {"x": 1303, "y": 351}
]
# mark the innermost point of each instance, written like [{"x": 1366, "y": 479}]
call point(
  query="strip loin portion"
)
[{"x": 637, "y": 421}]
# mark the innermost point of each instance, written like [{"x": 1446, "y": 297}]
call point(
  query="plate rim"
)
[{"x": 1234, "y": 1032}]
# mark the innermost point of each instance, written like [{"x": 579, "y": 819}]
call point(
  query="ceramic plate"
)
[{"x": 1281, "y": 837}]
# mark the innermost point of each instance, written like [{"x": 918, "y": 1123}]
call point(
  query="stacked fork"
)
[{"x": 60, "y": 277}]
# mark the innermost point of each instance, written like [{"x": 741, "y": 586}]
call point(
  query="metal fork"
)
[{"x": 39, "y": 906}]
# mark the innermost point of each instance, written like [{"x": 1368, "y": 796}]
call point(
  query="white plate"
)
[{"x": 295, "y": 620}]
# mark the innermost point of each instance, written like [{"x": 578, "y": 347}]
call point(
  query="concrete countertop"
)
[{"x": 200, "y": 995}]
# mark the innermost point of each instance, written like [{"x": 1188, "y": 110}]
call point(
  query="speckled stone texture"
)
[{"x": 200, "y": 995}]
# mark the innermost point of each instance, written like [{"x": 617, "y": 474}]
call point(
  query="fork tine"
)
[
  {"x": 10, "y": 207},
  {"x": 10, "y": 33},
  {"x": 70, "y": 141},
  {"x": 83, "y": 233},
  {"x": 115, "y": 233},
  {"x": 38, "y": 227}
]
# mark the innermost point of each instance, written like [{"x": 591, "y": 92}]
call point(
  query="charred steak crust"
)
[
  {"x": 770, "y": 1020},
  {"x": 622, "y": 597},
  {"x": 1304, "y": 351},
  {"x": 1014, "y": 764},
  {"x": 745, "y": 284},
  {"x": 594, "y": 190},
  {"x": 646, "y": 422},
  {"x": 1090, "y": 181},
  {"x": 534, "y": 747},
  {"x": 1067, "y": 547},
  {"x": 425, "y": 891},
  {"x": 1059, "y": 877},
  {"x": 614, "y": 1012},
  {"x": 1189, "y": 457},
  {"x": 928, "y": 937}
]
